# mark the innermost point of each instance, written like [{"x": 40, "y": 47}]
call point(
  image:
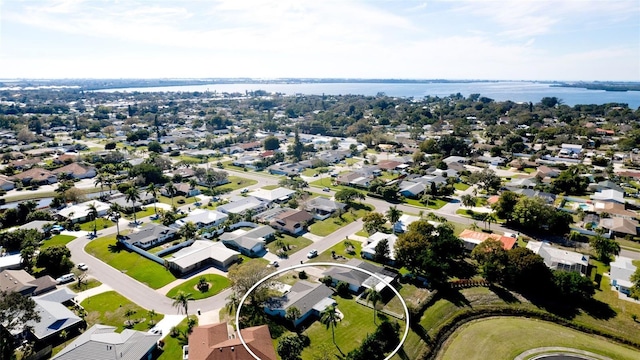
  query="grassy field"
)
[
  {"x": 340, "y": 250},
  {"x": 217, "y": 283},
  {"x": 147, "y": 211},
  {"x": 436, "y": 203},
  {"x": 506, "y": 338},
  {"x": 235, "y": 183},
  {"x": 100, "y": 224},
  {"x": 109, "y": 308},
  {"x": 86, "y": 285},
  {"x": 461, "y": 186},
  {"x": 177, "y": 201},
  {"x": 294, "y": 243},
  {"x": 357, "y": 323},
  {"x": 329, "y": 225},
  {"x": 28, "y": 195},
  {"x": 173, "y": 345},
  {"x": 57, "y": 240},
  {"x": 134, "y": 265}
]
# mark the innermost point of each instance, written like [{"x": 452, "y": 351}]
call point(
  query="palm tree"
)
[
  {"x": 233, "y": 303},
  {"x": 210, "y": 179},
  {"x": 468, "y": 200},
  {"x": 374, "y": 297},
  {"x": 490, "y": 218},
  {"x": 152, "y": 190},
  {"x": 152, "y": 313},
  {"x": 133, "y": 195},
  {"x": 188, "y": 230},
  {"x": 393, "y": 215},
  {"x": 100, "y": 180},
  {"x": 114, "y": 212},
  {"x": 329, "y": 317},
  {"x": 181, "y": 301},
  {"x": 474, "y": 226},
  {"x": 293, "y": 313},
  {"x": 171, "y": 190},
  {"x": 128, "y": 314},
  {"x": 92, "y": 212}
]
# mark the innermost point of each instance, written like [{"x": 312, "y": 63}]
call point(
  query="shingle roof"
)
[
  {"x": 213, "y": 342},
  {"x": 149, "y": 233}
]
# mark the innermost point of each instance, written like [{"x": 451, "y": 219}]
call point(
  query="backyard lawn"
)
[
  {"x": 485, "y": 339},
  {"x": 173, "y": 345},
  {"x": 460, "y": 186},
  {"x": 293, "y": 244},
  {"x": 57, "y": 240},
  {"x": 331, "y": 224},
  {"x": 100, "y": 224},
  {"x": 109, "y": 308},
  {"x": 130, "y": 263},
  {"x": 217, "y": 283}
]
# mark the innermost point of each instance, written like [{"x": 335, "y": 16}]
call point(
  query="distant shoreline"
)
[{"x": 606, "y": 86}]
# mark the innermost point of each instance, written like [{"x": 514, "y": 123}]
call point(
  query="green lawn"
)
[
  {"x": 229, "y": 164},
  {"x": 100, "y": 224},
  {"x": 340, "y": 250},
  {"x": 134, "y": 265},
  {"x": 331, "y": 224},
  {"x": 177, "y": 200},
  {"x": 109, "y": 308},
  {"x": 173, "y": 345},
  {"x": 506, "y": 338},
  {"x": 357, "y": 323},
  {"x": 270, "y": 187},
  {"x": 57, "y": 240},
  {"x": 235, "y": 183},
  {"x": 309, "y": 172},
  {"x": 461, "y": 186},
  {"x": 529, "y": 170},
  {"x": 147, "y": 211},
  {"x": 86, "y": 285},
  {"x": 351, "y": 161},
  {"x": 436, "y": 203},
  {"x": 293, "y": 244},
  {"x": 217, "y": 283}
]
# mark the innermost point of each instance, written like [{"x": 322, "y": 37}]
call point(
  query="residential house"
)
[
  {"x": 322, "y": 208},
  {"x": 277, "y": 195},
  {"x": 104, "y": 343},
  {"x": 149, "y": 236},
  {"x": 250, "y": 145},
  {"x": 77, "y": 171},
  {"x": 570, "y": 150},
  {"x": 310, "y": 298},
  {"x": 369, "y": 250},
  {"x": 6, "y": 184},
  {"x": 492, "y": 160},
  {"x": 241, "y": 205},
  {"x": 389, "y": 165},
  {"x": 248, "y": 242},
  {"x": 203, "y": 219},
  {"x": 619, "y": 226},
  {"x": 248, "y": 161},
  {"x": 523, "y": 183},
  {"x": 200, "y": 254},
  {"x": 65, "y": 158},
  {"x": 559, "y": 259},
  {"x": 471, "y": 239},
  {"x": 614, "y": 209},
  {"x": 34, "y": 225},
  {"x": 182, "y": 189},
  {"x": 605, "y": 185},
  {"x": 23, "y": 164},
  {"x": 35, "y": 175},
  {"x": 80, "y": 212},
  {"x": 620, "y": 274},
  {"x": 359, "y": 280},
  {"x": 24, "y": 283},
  {"x": 293, "y": 221},
  {"x": 455, "y": 159},
  {"x": 544, "y": 171},
  {"x": 548, "y": 197},
  {"x": 402, "y": 225},
  {"x": 218, "y": 341},
  {"x": 126, "y": 205},
  {"x": 412, "y": 189},
  {"x": 185, "y": 173},
  {"x": 54, "y": 315},
  {"x": 286, "y": 169},
  {"x": 609, "y": 195}
]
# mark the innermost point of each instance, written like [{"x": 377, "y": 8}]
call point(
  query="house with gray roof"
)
[
  {"x": 310, "y": 298},
  {"x": 242, "y": 205},
  {"x": 359, "y": 280},
  {"x": 54, "y": 317},
  {"x": 559, "y": 259},
  {"x": 279, "y": 194},
  {"x": 620, "y": 274},
  {"x": 251, "y": 242},
  {"x": 24, "y": 283},
  {"x": 411, "y": 189},
  {"x": 322, "y": 208},
  {"x": 149, "y": 236},
  {"x": 104, "y": 343},
  {"x": 200, "y": 254},
  {"x": 203, "y": 218}
]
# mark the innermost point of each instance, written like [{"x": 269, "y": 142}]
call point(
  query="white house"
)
[
  {"x": 309, "y": 298},
  {"x": 276, "y": 195},
  {"x": 369, "y": 250},
  {"x": 621, "y": 270},
  {"x": 609, "y": 195},
  {"x": 80, "y": 212},
  {"x": 559, "y": 259},
  {"x": 203, "y": 218}
]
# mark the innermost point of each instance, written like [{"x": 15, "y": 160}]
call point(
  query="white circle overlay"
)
[{"x": 404, "y": 304}]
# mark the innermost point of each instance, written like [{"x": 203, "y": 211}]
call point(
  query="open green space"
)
[
  {"x": 351, "y": 161},
  {"x": 435, "y": 203},
  {"x": 350, "y": 331},
  {"x": 57, "y": 240},
  {"x": 137, "y": 266},
  {"x": 217, "y": 283},
  {"x": 173, "y": 345},
  {"x": 147, "y": 211},
  {"x": 292, "y": 244},
  {"x": 331, "y": 224},
  {"x": 235, "y": 183},
  {"x": 109, "y": 308},
  {"x": 177, "y": 200},
  {"x": 340, "y": 251},
  {"x": 100, "y": 223},
  {"x": 460, "y": 186},
  {"x": 29, "y": 195},
  {"x": 506, "y": 338},
  {"x": 86, "y": 285},
  {"x": 270, "y": 187}
]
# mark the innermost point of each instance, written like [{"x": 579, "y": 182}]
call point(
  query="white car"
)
[
  {"x": 313, "y": 253},
  {"x": 273, "y": 264},
  {"x": 83, "y": 267},
  {"x": 65, "y": 278}
]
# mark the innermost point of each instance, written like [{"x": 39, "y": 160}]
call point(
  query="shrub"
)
[{"x": 302, "y": 275}]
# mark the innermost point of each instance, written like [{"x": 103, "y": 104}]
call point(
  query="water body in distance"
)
[{"x": 500, "y": 91}]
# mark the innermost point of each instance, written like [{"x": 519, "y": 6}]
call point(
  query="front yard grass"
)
[
  {"x": 293, "y": 243},
  {"x": 147, "y": 211},
  {"x": 100, "y": 224},
  {"x": 460, "y": 186},
  {"x": 340, "y": 251},
  {"x": 173, "y": 345},
  {"x": 137, "y": 266},
  {"x": 270, "y": 187},
  {"x": 177, "y": 201},
  {"x": 331, "y": 224},
  {"x": 434, "y": 203},
  {"x": 235, "y": 183},
  {"x": 86, "y": 285},
  {"x": 217, "y": 283},
  {"x": 109, "y": 308},
  {"x": 485, "y": 339},
  {"x": 57, "y": 240}
]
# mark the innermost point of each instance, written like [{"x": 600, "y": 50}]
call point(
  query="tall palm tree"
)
[
  {"x": 468, "y": 200},
  {"x": 171, "y": 190},
  {"x": 293, "y": 313},
  {"x": 374, "y": 297},
  {"x": 393, "y": 215},
  {"x": 233, "y": 303},
  {"x": 188, "y": 230},
  {"x": 152, "y": 190},
  {"x": 100, "y": 180},
  {"x": 329, "y": 317},
  {"x": 114, "y": 212},
  {"x": 132, "y": 194},
  {"x": 181, "y": 301},
  {"x": 210, "y": 179},
  {"x": 490, "y": 218},
  {"x": 92, "y": 212}
]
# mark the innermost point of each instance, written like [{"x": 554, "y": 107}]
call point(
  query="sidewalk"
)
[
  {"x": 83, "y": 295},
  {"x": 312, "y": 237}
]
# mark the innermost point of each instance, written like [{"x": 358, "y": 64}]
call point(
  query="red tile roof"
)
[
  {"x": 212, "y": 342},
  {"x": 507, "y": 242}
]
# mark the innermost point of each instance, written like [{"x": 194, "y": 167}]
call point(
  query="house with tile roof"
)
[
  {"x": 38, "y": 175},
  {"x": 219, "y": 342},
  {"x": 104, "y": 343},
  {"x": 291, "y": 221},
  {"x": 24, "y": 283},
  {"x": 472, "y": 239}
]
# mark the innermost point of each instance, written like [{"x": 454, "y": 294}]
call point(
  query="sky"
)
[{"x": 371, "y": 39}]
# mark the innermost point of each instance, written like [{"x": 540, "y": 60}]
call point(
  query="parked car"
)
[
  {"x": 326, "y": 189},
  {"x": 313, "y": 253},
  {"x": 83, "y": 267},
  {"x": 65, "y": 278},
  {"x": 244, "y": 191},
  {"x": 273, "y": 264}
]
